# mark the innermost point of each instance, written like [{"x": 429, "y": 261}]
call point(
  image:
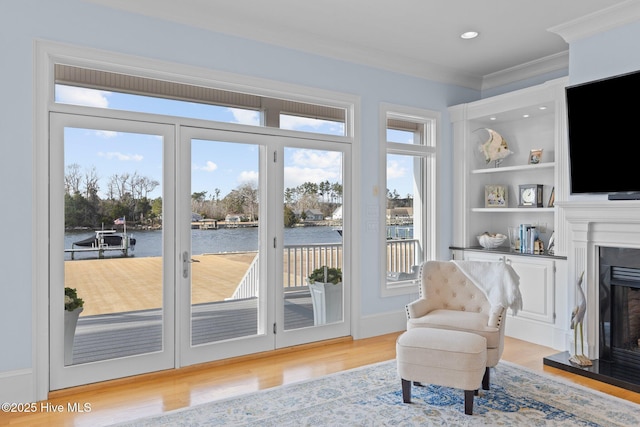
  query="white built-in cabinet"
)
[
  {"x": 528, "y": 119},
  {"x": 537, "y": 282}
]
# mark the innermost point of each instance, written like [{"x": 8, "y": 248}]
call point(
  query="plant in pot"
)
[
  {"x": 72, "y": 309},
  {"x": 325, "y": 286}
]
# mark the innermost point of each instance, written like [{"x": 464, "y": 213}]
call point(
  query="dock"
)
[{"x": 99, "y": 250}]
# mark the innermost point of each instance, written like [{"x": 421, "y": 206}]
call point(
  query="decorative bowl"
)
[{"x": 489, "y": 241}]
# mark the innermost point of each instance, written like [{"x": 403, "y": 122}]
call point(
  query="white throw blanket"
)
[{"x": 498, "y": 280}]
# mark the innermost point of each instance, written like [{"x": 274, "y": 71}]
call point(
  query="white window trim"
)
[
  {"x": 47, "y": 53},
  {"x": 430, "y": 237}
]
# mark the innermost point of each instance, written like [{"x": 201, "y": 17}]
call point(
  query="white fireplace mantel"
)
[{"x": 611, "y": 223}]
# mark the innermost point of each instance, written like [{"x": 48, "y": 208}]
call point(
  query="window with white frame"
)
[
  {"x": 409, "y": 140},
  {"x": 109, "y": 90}
]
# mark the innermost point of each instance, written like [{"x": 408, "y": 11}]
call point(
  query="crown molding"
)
[
  {"x": 548, "y": 64},
  {"x": 598, "y": 22}
]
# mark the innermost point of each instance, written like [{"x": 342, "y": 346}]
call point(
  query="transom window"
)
[{"x": 103, "y": 89}]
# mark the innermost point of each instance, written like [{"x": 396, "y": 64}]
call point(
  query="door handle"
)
[{"x": 186, "y": 260}]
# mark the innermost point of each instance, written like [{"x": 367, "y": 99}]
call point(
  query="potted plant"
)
[
  {"x": 72, "y": 309},
  {"x": 325, "y": 286}
]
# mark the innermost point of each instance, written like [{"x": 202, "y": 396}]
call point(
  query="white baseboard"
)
[
  {"x": 531, "y": 331},
  {"x": 17, "y": 386},
  {"x": 380, "y": 324}
]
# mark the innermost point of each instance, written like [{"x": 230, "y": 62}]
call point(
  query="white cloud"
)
[
  {"x": 296, "y": 176},
  {"x": 246, "y": 117},
  {"x": 120, "y": 156},
  {"x": 82, "y": 96},
  {"x": 106, "y": 134},
  {"x": 299, "y": 123},
  {"x": 313, "y": 166},
  {"x": 248, "y": 177},
  {"x": 208, "y": 167},
  {"x": 318, "y": 159},
  {"x": 394, "y": 170}
]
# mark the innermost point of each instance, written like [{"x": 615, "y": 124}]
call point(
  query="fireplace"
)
[
  {"x": 604, "y": 241},
  {"x": 619, "y": 321}
]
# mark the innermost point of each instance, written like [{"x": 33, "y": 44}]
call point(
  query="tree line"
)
[
  {"x": 324, "y": 197},
  {"x": 127, "y": 195}
]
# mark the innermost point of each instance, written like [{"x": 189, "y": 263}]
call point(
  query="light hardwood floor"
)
[{"x": 136, "y": 397}]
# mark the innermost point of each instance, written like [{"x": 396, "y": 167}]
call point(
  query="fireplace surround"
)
[{"x": 604, "y": 243}]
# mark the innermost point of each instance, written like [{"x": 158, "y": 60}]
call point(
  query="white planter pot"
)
[
  {"x": 327, "y": 302},
  {"x": 70, "y": 322}
]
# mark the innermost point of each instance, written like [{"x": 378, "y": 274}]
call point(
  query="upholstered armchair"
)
[{"x": 450, "y": 299}]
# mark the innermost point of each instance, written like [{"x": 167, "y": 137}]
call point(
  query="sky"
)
[{"x": 215, "y": 165}]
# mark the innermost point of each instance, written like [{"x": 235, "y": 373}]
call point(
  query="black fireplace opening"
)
[
  {"x": 619, "y": 317},
  {"x": 618, "y": 361}
]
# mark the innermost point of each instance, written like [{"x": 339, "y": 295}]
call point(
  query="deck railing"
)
[
  {"x": 300, "y": 260},
  {"x": 402, "y": 255},
  {"x": 248, "y": 286}
]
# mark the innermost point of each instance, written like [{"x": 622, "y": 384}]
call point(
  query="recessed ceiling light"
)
[
  {"x": 525, "y": 115},
  {"x": 492, "y": 118},
  {"x": 469, "y": 35},
  {"x": 543, "y": 107}
]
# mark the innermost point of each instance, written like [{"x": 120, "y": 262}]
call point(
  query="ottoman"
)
[{"x": 442, "y": 357}]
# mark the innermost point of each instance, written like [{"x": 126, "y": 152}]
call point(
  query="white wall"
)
[{"x": 73, "y": 22}]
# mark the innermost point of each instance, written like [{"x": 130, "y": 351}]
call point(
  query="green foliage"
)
[
  {"x": 289, "y": 217},
  {"x": 71, "y": 300},
  {"x": 333, "y": 275}
]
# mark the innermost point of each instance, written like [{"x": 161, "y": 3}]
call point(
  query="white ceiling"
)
[{"x": 416, "y": 37}]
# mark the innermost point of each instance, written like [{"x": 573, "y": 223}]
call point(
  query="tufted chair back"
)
[
  {"x": 449, "y": 300},
  {"x": 444, "y": 286}
]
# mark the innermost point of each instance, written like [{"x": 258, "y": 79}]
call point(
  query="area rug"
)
[{"x": 372, "y": 396}]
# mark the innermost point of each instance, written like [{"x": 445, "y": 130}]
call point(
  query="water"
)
[{"x": 149, "y": 242}]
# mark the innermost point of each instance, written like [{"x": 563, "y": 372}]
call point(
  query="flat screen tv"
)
[{"x": 604, "y": 136}]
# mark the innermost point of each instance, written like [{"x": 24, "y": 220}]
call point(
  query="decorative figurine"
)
[{"x": 577, "y": 316}]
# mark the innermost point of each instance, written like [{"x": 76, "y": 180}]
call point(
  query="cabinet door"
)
[{"x": 537, "y": 282}]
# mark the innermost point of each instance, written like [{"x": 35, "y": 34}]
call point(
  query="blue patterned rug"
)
[{"x": 372, "y": 396}]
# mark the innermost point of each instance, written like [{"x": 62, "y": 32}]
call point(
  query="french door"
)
[
  {"x": 105, "y": 174},
  {"x": 211, "y": 250},
  {"x": 243, "y": 287}
]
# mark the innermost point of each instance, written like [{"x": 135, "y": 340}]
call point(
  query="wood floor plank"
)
[{"x": 152, "y": 394}]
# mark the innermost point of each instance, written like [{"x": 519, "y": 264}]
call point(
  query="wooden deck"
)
[
  {"x": 116, "y": 285},
  {"x": 112, "y": 335}
]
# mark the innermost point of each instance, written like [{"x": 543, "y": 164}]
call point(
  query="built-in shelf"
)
[
  {"x": 503, "y": 250},
  {"x": 520, "y": 168},
  {"x": 511, "y": 210},
  {"x": 542, "y": 276}
]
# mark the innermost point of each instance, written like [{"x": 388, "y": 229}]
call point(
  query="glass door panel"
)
[
  {"x": 224, "y": 241},
  {"x": 221, "y": 221},
  {"x": 313, "y": 286},
  {"x": 108, "y": 235}
]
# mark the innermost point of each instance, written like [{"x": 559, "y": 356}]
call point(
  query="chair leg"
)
[
  {"x": 406, "y": 391},
  {"x": 486, "y": 379},
  {"x": 468, "y": 402}
]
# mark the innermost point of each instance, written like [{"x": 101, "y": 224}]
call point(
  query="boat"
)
[{"x": 107, "y": 239}]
